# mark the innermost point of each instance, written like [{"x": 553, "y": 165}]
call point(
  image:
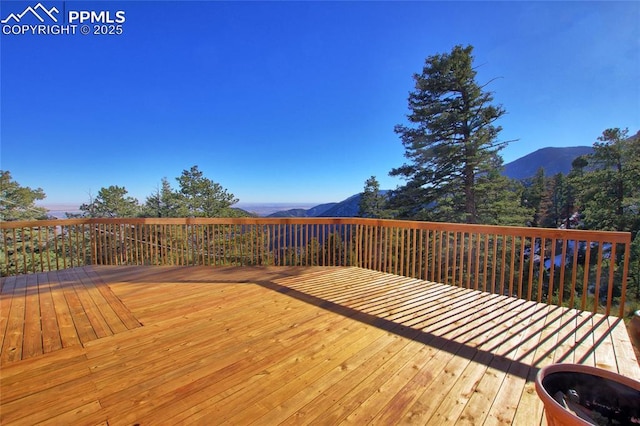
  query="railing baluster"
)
[
  {"x": 446, "y": 238},
  {"x": 377, "y": 248},
  {"x": 552, "y": 264},
  {"x": 562, "y": 272},
  {"x": 469, "y": 258},
  {"x": 440, "y": 248},
  {"x": 599, "y": 255},
  {"x": 625, "y": 270},
  {"x": 612, "y": 256},
  {"x": 474, "y": 270},
  {"x": 32, "y": 251},
  {"x": 485, "y": 263},
  {"x": 392, "y": 249},
  {"x": 503, "y": 266},
  {"x": 513, "y": 252},
  {"x": 495, "y": 265},
  {"x": 399, "y": 267},
  {"x": 532, "y": 254}
]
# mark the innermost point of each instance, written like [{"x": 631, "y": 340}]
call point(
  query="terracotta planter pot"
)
[{"x": 576, "y": 394}]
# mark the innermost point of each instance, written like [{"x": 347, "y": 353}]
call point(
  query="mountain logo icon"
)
[{"x": 39, "y": 11}]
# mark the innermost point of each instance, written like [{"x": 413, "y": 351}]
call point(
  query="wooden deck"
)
[{"x": 201, "y": 345}]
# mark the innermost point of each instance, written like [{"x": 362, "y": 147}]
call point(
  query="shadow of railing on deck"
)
[
  {"x": 541, "y": 330},
  {"x": 427, "y": 338},
  {"x": 511, "y": 335}
]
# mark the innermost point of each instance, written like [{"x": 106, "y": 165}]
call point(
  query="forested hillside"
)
[{"x": 551, "y": 159}]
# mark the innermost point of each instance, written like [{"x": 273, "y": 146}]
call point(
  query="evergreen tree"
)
[
  {"x": 197, "y": 196},
  {"x": 501, "y": 200},
  {"x": 611, "y": 193},
  {"x": 111, "y": 202},
  {"x": 201, "y": 197},
  {"x": 576, "y": 180},
  {"x": 372, "y": 202},
  {"x": 532, "y": 196},
  {"x": 452, "y": 140},
  {"x": 18, "y": 202},
  {"x": 165, "y": 202},
  {"x": 558, "y": 203}
]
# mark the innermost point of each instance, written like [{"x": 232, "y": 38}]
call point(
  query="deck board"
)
[
  {"x": 42, "y": 313},
  {"x": 14, "y": 332},
  {"x": 51, "y": 340},
  {"x": 148, "y": 345}
]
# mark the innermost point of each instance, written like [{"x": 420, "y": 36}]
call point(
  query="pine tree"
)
[
  {"x": 533, "y": 194},
  {"x": 611, "y": 192},
  {"x": 501, "y": 200},
  {"x": 112, "y": 202},
  {"x": 558, "y": 203},
  {"x": 165, "y": 202},
  {"x": 17, "y": 202},
  {"x": 452, "y": 140},
  {"x": 372, "y": 202},
  {"x": 201, "y": 197}
]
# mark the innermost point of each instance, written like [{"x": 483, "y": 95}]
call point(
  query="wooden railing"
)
[{"x": 582, "y": 269}]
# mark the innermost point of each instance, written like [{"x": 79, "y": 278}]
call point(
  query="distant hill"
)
[
  {"x": 312, "y": 212},
  {"x": 345, "y": 208},
  {"x": 290, "y": 213},
  {"x": 552, "y": 160},
  {"x": 242, "y": 213},
  {"x": 320, "y": 209}
]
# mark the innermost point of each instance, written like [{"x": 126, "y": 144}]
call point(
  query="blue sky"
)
[{"x": 294, "y": 101}]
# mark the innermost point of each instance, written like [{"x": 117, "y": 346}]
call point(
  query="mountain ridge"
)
[{"x": 552, "y": 159}]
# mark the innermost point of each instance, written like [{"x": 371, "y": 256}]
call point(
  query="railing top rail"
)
[
  {"x": 41, "y": 223},
  {"x": 517, "y": 231},
  {"x": 177, "y": 221},
  {"x": 609, "y": 236}
]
